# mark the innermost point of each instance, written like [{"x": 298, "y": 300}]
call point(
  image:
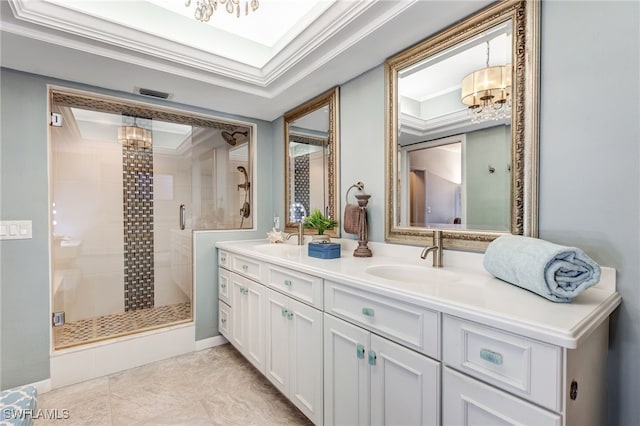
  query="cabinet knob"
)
[
  {"x": 223, "y": 320},
  {"x": 360, "y": 351},
  {"x": 223, "y": 259},
  {"x": 284, "y": 312},
  {"x": 223, "y": 285},
  {"x": 367, "y": 312},
  {"x": 491, "y": 356},
  {"x": 287, "y": 283},
  {"x": 289, "y": 315},
  {"x": 245, "y": 267},
  {"x": 372, "y": 358},
  {"x": 243, "y": 290}
]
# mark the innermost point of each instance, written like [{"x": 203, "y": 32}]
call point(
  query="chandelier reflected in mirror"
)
[
  {"x": 206, "y": 8},
  {"x": 487, "y": 92}
]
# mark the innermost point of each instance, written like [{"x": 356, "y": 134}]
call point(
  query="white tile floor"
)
[{"x": 211, "y": 387}]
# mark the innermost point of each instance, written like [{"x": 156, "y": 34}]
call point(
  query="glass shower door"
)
[{"x": 121, "y": 263}]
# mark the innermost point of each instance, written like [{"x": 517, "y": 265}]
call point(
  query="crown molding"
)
[{"x": 313, "y": 48}]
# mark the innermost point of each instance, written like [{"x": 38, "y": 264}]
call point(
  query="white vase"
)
[{"x": 320, "y": 238}]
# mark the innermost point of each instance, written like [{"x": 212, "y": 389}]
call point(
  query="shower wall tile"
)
[{"x": 137, "y": 197}]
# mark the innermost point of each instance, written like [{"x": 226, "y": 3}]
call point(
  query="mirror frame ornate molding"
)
[
  {"x": 330, "y": 99},
  {"x": 525, "y": 16}
]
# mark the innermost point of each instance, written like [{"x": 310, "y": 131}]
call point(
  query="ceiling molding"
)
[{"x": 53, "y": 23}]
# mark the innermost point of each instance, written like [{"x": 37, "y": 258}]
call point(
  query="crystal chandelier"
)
[
  {"x": 487, "y": 92},
  {"x": 205, "y": 8},
  {"x": 134, "y": 136}
]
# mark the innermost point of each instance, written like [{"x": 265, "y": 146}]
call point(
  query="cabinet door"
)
[
  {"x": 254, "y": 320},
  {"x": 224, "y": 314},
  {"x": 239, "y": 313},
  {"x": 346, "y": 373},
  {"x": 469, "y": 402},
  {"x": 305, "y": 360},
  {"x": 404, "y": 385},
  {"x": 277, "y": 340}
]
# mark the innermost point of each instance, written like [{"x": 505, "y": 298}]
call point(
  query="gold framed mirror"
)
[
  {"x": 462, "y": 131},
  {"x": 311, "y": 148}
]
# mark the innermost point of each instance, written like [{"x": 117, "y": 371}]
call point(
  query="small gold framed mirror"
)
[
  {"x": 311, "y": 160},
  {"x": 462, "y": 131}
]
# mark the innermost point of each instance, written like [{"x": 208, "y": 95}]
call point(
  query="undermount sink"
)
[
  {"x": 410, "y": 273},
  {"x": 288, "y": 250}
]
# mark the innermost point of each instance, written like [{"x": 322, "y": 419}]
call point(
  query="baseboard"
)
[
  {"x": 43, "y": 386},
  {"x": 210, "y": 342}
]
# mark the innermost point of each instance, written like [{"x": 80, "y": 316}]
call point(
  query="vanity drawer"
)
[
  {"x": 224, "y": 286},
  {"x": 224, "y": 258},
  {"x": 412, "y": 326},
  {"x": 247, "y": 267},
  {"x": 466, "y": 401},
  {"x": 224, "y": 314},
  {"x": 306, "y": 288},
  {"x": 522, "y": 366}
]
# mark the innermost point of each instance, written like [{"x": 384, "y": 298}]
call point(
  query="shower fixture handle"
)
[{"x": 183, "y": 216}]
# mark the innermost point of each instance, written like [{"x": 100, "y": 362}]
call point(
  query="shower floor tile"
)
[{"x": 108, "y": 326}]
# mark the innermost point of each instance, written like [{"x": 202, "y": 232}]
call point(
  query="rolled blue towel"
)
[{"x": 555, "y": 272}]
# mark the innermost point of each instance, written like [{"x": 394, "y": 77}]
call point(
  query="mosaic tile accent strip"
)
[
  {"x": 109, "y": 326},
  {"x": 301, "y": 179},
  {"x": 137, "y": 190}
]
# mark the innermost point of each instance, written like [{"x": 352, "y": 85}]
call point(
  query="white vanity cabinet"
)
[
  {"x": 371, "y": 380},
  {"x": 350, "y": 348},
  {"x": 294, "y": 352}
]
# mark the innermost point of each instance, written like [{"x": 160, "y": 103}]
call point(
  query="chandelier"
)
[
  {"x": 205, "y": 8},
  {"x": 487, "y": 92},
  {"x": 134, "y": 136}
]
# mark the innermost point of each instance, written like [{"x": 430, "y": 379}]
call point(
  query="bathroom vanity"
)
[{"x": 391, "y": 340}]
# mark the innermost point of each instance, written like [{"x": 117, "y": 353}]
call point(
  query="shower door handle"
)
[{"x": 183, "y": 216}]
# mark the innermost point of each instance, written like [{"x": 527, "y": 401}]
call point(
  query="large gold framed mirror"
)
[
  {"x": 462, "y": 131},
  {"x": 311, "y": 160}
]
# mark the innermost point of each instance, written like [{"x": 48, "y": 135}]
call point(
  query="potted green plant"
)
[{"x": 320, "y": 223}]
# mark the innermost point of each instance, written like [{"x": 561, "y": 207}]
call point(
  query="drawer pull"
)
[
  {"x": 490, "y": 356},
  {"x": 367, "y": 312},
  {"x": 223, "y": 320},
  {"x": 223, "y": 285},
  {"x": 223, "y": 259},
  {"x": 289, "y": 315},
  {"x": 287, "y": 283},
  {"x": 360, "y": 351},
  {"x": 243, "y": 290},
  {"x": 284, "y": 312},
  {"x": 372, "y": 358},
  {"x": 245, "y": 267}
]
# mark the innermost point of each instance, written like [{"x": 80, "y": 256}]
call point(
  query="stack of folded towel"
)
[{"x": 555, "y": 272}]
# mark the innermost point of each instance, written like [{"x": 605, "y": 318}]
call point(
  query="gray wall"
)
[
  {"x": 589, "y": 162},
  {"x": 24, "y": 327}
]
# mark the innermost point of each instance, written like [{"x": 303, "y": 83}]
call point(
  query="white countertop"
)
[{"x": 462, "y": 288}]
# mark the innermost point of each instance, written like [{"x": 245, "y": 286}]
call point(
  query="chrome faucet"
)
[
  {"x": 300, "y": 233},
  {"x": 436, "y": 248}
]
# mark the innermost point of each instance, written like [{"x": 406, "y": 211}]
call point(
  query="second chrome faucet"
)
[{"x": 436, "y": 249}]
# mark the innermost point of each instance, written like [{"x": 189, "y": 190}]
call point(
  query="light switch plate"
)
[{"x": 15, "y": 230}]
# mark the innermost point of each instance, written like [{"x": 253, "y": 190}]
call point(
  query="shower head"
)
[
  {"x": 243, "y": 171},
  {"x": 230, "y": 138}
]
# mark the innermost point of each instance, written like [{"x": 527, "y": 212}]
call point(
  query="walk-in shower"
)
[{"x": 130, "y": 183}]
